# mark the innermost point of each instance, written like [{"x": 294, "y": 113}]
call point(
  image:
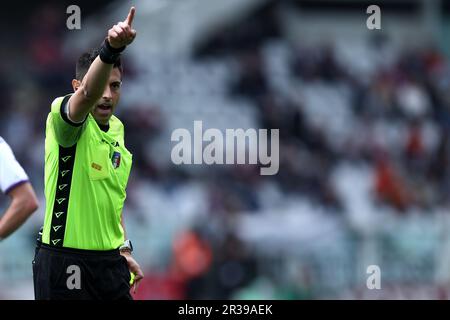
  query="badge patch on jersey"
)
[
  {"x": 116, "y": 160},
  {"x": 96, "y": 166}
]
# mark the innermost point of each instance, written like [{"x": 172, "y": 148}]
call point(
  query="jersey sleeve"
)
[
  {"x": 66, "y": 131},
  {"x": 11, "y": 172}
]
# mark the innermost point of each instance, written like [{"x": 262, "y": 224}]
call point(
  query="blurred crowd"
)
[{"x": 400, "y": 116}]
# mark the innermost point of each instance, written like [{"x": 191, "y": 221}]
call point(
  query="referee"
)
[{"x": 82, "y": 252}]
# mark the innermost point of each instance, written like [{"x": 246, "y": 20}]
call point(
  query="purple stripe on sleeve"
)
[{"x": 15, "y": 185}]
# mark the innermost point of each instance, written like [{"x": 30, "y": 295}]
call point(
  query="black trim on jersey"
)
[
  {"x": 64, "y": 113},
  {"x": 103, "y": 127},
  {"x": 62, "y": 193}
]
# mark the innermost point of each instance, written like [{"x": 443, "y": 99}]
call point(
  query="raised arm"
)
[{"x": 95, "y": 80}]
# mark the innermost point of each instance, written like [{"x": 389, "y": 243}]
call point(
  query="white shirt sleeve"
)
[{"x": 11, "y": 172}]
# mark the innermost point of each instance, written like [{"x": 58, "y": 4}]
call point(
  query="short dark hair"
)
[{"x": 85, "y": 61}]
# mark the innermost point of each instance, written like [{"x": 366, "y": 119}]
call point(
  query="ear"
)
[{"x": 75, "y": 84}]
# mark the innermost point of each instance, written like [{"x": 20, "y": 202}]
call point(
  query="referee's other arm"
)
[{"x": 23, "y": 203}]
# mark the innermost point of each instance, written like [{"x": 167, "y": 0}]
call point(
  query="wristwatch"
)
[{"x": 126, "y": 246}]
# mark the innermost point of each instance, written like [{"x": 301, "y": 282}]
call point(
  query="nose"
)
[{"x": 107, "y": 93}]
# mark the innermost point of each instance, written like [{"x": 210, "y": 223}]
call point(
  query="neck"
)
[{"x": 103, "y": 127}]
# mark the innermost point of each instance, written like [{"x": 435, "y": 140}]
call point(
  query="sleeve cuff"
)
[
  {"x": 15, "y": 185},
  {"x": 64, "y": 112}
]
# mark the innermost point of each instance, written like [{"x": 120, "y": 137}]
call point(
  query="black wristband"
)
[{"x": 109, "y": 54}]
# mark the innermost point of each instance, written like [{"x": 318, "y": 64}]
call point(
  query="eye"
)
[{"x": 115, "y": 85}]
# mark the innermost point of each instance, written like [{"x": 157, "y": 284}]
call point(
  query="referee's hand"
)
[
  {"x": 134, "y": 267},
  {"x": 121, "y": 34}
]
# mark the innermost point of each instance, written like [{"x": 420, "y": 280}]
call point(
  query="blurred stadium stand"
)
[{"x": 364, "y": 151}]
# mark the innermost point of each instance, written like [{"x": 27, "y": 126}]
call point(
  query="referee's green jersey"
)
[{"x": 86, "y": 174}]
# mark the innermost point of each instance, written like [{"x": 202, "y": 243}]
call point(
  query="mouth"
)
[{"x": 104, "y": 106}]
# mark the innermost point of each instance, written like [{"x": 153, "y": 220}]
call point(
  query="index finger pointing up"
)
[{"x": 130, "y": 16}]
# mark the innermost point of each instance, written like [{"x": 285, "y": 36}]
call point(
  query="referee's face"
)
[{"x": 105, "y": 107}]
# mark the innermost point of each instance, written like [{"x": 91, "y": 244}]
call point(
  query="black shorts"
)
[{"x": 64, "y": 273}]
